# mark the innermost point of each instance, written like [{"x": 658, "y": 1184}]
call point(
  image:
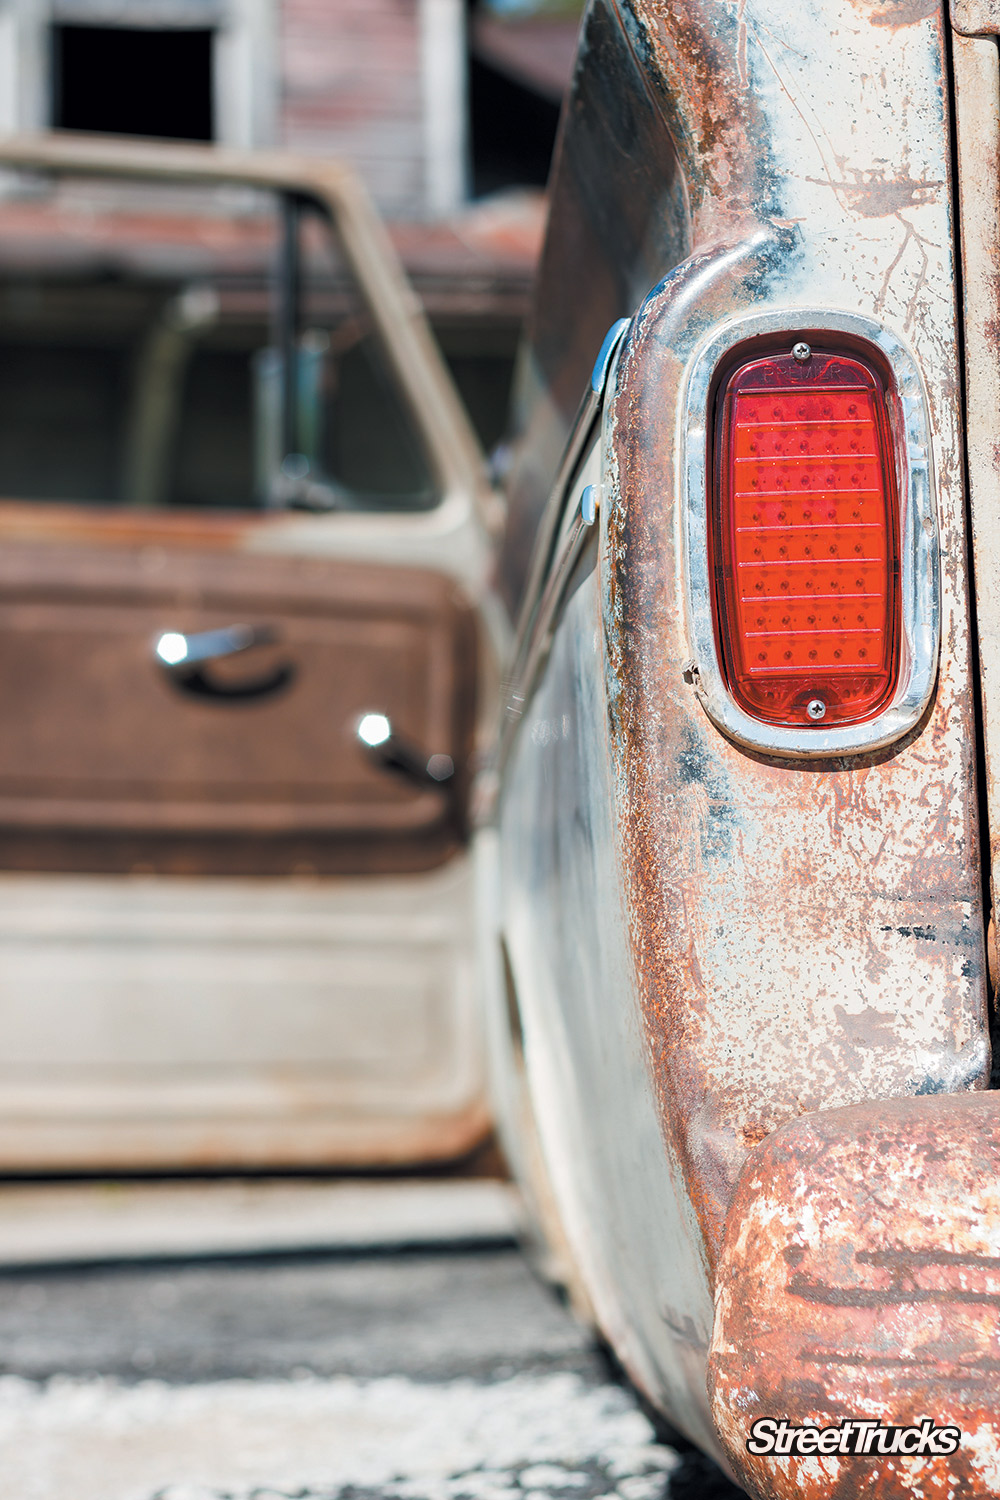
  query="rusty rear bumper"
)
[{"x": 860, "y": 1279}]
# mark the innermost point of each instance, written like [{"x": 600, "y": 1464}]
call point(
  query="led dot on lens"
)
[
  {"x": 862, "y": 653},
  {"x": 812, "y": 656}
]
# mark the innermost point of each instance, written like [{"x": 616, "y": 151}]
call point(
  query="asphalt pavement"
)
[{"x": 417, "y": 1374}]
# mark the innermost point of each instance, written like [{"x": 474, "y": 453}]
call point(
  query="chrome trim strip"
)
[
  {"x": 919, "y": 576},
  {"x": 539, "y": 641},
  {"x": 576, "y": 445},
  {"x": 602, "y": 364}
]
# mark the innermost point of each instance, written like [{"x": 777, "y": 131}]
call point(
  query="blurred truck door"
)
[{"x": 247, "y": 648}]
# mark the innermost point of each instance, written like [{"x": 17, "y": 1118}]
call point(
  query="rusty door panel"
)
[
  {"x": 153, "y": 1021},
  {"x": 138, "y": 773}
]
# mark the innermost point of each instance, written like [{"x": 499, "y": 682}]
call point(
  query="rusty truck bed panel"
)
[
  {"x": 804, "y": 938},
  {"x": 799, "y": 936}
]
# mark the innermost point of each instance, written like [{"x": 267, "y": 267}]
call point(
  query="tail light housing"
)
[
  {"x": 809, "y": 533},
  {"x": 805, "y": 539}
]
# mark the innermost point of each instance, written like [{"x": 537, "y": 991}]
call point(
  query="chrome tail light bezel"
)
[{"x": 918, "y": 530}]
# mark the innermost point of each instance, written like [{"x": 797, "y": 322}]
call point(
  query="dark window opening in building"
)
[
  {"x": 131, "y": 81},
  {"x": 513, "y": 131},
  {"x": 520, "y": 63}
]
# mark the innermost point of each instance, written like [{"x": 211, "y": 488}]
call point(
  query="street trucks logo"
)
[{"x": 778, "y": 1437}]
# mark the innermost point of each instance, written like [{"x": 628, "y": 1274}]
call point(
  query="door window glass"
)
[{"x": 143, "y": 339}]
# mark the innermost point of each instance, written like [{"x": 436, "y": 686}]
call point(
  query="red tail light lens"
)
[{"x": 805, "y": 539}]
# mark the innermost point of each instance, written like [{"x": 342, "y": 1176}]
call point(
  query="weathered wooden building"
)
[
  {"x": 447, "y": 108},
  {"x": 378, "y": 81},
  {"x": 401, "y": 88}
]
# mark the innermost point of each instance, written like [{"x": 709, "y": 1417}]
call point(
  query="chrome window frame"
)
[{"x": 919, "y": 549}]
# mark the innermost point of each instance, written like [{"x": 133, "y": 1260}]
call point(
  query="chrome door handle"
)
[
  {"x": 184, "y": 659},
  {"x": 389, "y": 750},
  {"x": 179, "y": 652}
]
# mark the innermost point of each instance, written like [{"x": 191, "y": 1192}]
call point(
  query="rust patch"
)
[
  {"x": 24, "y": 521},
  {"x": 877, "y": 197},
  {"x": 697, "y": 63},
  {"x": 896, "y": 13},
  {"x": 860, "y": 1278}
]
